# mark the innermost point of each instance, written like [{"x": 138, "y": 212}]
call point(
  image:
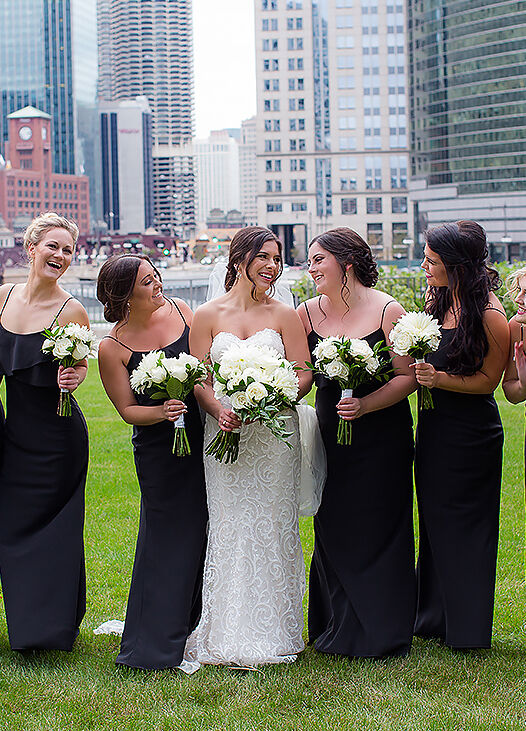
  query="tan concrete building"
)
[{"x": 332, "y": 143}]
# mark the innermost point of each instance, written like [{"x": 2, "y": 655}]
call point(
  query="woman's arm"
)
[
  {"x": 201, "y": 335},
  {"x": 488, "y": 377},
  {"x": 296, "y": 346},
  {"x": 116, "y": 382},
  {"x": 401, "y": 385},
  {"x": 514, "y": 382}
]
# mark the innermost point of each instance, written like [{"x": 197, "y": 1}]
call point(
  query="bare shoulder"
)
[
  {"x": 495, "y": 304},
  {"x": 185, "y": 309},
  {"x": 516, "y": 329},
  {"x": 4, "y": 291},
  {"x": 109, "y": 350},
  {"x": 74, "y": 311},
  {"x": 284, "y": 313}
]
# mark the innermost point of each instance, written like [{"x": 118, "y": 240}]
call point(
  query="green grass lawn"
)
[{"x": 432, "y": 689}]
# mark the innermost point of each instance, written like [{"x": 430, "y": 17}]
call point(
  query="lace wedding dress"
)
[{"x": 254, "y": 576}]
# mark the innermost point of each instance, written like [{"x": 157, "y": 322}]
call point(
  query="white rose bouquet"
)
[
  {"x": 169, "y": 378},
  {"x": 351, "y": 362},
  {"x": 260, "y": 384},
  {"x": 69, "y": 344},
  {"x": 416, "y": 334}
]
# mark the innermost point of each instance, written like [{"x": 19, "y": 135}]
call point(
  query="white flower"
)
[
  {"x": 62, "y": 347},
  {"x": 138, "y": 380},
  {"x": 151, "y": 359},
  {"x": 372, "y": 365},
  {"x": 157, "y": 374},
  {"x": 48, "y": 345},
  {"x": 326, "y": 348},
  {"x": 286, "y": 381},
  {"x": 336, "y": 369},
  {"x": 81, "y": 351},
  {"x": 402, "y": 341},
  {"x": 219, "y": 390},
  {"x": 256, "y": 392},
  {"x": 360, "y": 348},
  {"x": 239, "y": 400},
  {"x": 175, "y": 368},
  {"x": 256, "y": 373},
  {"x": 234, "y": 381}
]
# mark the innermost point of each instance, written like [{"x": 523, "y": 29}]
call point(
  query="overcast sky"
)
[{"x": 225, "y": 90}]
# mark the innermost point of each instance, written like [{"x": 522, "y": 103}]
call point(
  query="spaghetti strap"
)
[
  {"x": 5, "y": 301},
  {"x": 308, "y": 315},
  {"x": 110, "y": 337},
  {"x": 383, "y": 313},
  {"x": 58, "y": 313},
  {"x": 178, "y": 310}
]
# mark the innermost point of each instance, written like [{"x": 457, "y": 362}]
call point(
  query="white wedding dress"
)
[{"x": 254, "y": 576}]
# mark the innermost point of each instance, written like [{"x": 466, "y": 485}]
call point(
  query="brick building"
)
[{"x": 28, "y": 185}]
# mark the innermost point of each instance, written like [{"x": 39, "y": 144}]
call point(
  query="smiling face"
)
[
  {"x": 325, "y": 269},
  {"x": 147, "y": 293},
  {"x": 520, "y": 301},
  {"x": 434, "y": 269},
  {"x": 265, "y": 268},
  {"x": 51, "y": 257}
]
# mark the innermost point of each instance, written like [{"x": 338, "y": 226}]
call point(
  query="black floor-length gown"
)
[
  {"x": 458, "y": 466},
  {"x": 164, "y": 603},
  {"x": 362, "y": 590},
  {"x": 42, "y": 480}
]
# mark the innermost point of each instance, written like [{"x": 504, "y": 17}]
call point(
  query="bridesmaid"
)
[
  {"x": 43, "y": 473},
  {"x": 164, "y": 603},
  {"x": 514, "y": 383},
  {"x": 458, "y": 459},
  {"x": 362, "y": 583}
]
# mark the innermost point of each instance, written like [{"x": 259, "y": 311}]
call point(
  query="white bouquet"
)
[
  {"x": 169, "y": 378},
  {"x": 69, "y": 344},
  {"x": 416, "y": 334},
  {"x": 351, "y": 362},
  {"x": 260, "y": 384}
]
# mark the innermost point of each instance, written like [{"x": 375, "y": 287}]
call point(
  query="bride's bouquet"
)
[
  {"x": 260, "y": 384},
  {"x": 351, "y": 362},
  {"x": 69, "y": 344},
  {"x": 416, "y": 334},
  {"x": 169, "y": 378}
]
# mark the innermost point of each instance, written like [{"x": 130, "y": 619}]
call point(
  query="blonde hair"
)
[
  {"x": 40, "y": 225},
  {"x": 512, "y": 282}
]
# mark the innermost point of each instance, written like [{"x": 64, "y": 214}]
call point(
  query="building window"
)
[
  {"x": 347, "y": 143},
  {"x": 399, "y": 205},
  {"x": 274, "y": 207},
  {"x": 373, "y": 173},
  {"x": 375, "y": 237},
  {"x": 299, "y": 206},
  {"x": 349, "y": 206},
  {"x": 275, "y": 105},
  {"x": 347, "y": 184},
  {"x": 374, "y": 205},
  {"x": 344, "y": 21},
  {"x": 345, "y": 62}
]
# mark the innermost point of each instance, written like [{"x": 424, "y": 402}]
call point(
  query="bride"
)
[{"x": 254, "y": 572}]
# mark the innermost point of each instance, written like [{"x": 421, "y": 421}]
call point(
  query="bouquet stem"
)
[
  {"x": 425, "y": 398},
  {"x": 181, "y": 446},
  {"x": 224, "y": 446},
  {"x": 344, "y": 436},
  {"x": 64, "y": 403}
]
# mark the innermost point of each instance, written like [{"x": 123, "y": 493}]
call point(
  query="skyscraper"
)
[
  {"x": 145, "y": 49},
  {"x": 36, "y": 69},
  {"x": 248, "y": 170},
  {"x": 217, "y": 172},
  {"x": 468, "y": 107},
  {"x": 332, "y": 143}
]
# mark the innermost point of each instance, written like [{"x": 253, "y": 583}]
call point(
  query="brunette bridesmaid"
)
[
  {"x": 458, "y": 460},
  {"x": 362, "y": 588},
  {"x": 164, "y": 603}
]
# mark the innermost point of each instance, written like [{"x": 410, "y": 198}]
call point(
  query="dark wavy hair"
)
[
  {"x": 244, "y": 247},
  {"x": 115, "y": 283},
  {"x": 348, "y": 247},
  {"x": 462, "y": 246}
]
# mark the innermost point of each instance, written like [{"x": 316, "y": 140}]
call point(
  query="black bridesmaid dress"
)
[
  {"x": 362, "y": 589},
  {"x": 42, "y": 480},
  {"x": 164, "y": 603},
  {"x": 458, "y": 466}
]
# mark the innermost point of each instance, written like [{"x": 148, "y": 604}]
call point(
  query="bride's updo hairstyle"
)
[
  {"x": 244, "y": 247},
  {"x": 115, "y": 283},
  {"x": 463, "y": 249},
  {"x": 348, "y": 247}
]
